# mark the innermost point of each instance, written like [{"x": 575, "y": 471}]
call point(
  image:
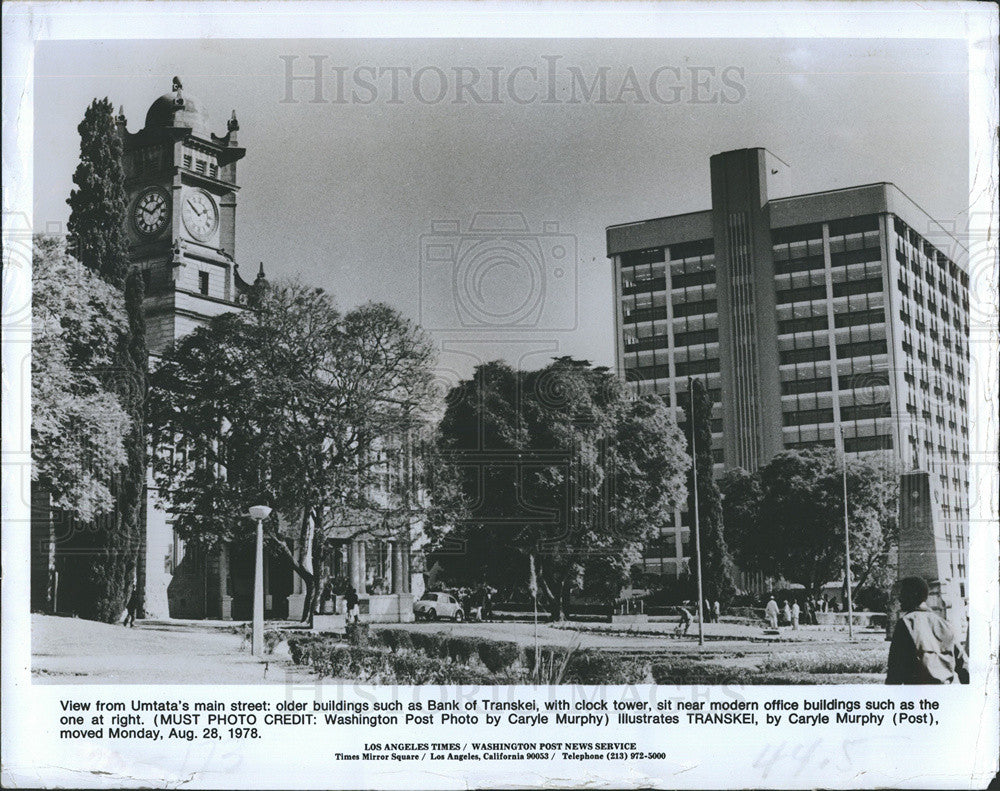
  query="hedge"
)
[
  {"x": 398, "y": 656},
  {"x": 378, "y": 666},
  {"x": 590, "y": 667},
  {"x": 301, "y": 647},
  {"x": 496, "y": 655}
]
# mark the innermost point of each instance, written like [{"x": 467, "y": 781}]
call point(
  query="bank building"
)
[
  {"x": 838, "y": 318},
  {"x": 182, "y": 189}
]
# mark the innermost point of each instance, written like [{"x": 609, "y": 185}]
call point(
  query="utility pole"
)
[
  {"x": 847, "y": 546},
  {"x": 697, "y": 531}
]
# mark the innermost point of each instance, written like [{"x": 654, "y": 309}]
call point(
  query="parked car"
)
[{"x": 434, "y": 605}]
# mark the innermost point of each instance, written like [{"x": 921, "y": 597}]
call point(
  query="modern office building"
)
[{"x": 838, "y": 318}]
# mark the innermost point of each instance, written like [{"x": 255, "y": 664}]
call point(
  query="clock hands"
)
[
  {"x": 151, "y": 217},
  {"x": 150, "y": 213}
]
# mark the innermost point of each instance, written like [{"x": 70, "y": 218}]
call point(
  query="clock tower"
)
[
  {"x": 180, "y": 181},
  {"x": 180, "y": 178}
]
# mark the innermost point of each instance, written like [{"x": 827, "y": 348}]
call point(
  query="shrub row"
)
[
  {"x": 497, "y": 656},
  {"x": 380, "y": 666},
  {"x": 401, "y": 656},
  {"x": 589, "y": 666},
  {"x": 860, "y": 662}
]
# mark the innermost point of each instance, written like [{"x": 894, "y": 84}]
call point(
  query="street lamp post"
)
[{"x": 260, "y": 513}]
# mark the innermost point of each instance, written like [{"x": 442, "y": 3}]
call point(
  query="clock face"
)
[
  {"x": 151, "y": 212},
  {"x": 200, "y": 215}
]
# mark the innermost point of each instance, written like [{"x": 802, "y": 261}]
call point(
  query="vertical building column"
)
[
  {"x": 361, "y": 548},
  {"x": 396, "y": 560},
  {"x": 405, "y": 569},
  {"x": 225, "y": 600},
  {"x": 352, "y": 563},
  {"x": 619, "y": 318},
  {"x": 748, "y": 349},
  {"x": 297, "y": 598}
]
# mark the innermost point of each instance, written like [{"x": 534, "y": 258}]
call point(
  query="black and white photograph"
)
[{"x": 412, "y": 384}]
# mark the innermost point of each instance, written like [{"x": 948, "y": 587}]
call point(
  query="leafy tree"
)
[
  {"x": 293, "y": 403},
  {"x": 873, "y": 495},
  {"x": 788, "y": 519},
  {"x": 716, "y": 563},
  {"x": 741, "y": 500},
  {"x": 78, "y": 426},
  {"x": 557, "y": 469},
  {"x": 106, "y": 555}
]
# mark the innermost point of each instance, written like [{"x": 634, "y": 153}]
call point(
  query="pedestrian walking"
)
[
  {"x": 716, "y": 611},
  {"x": 488, "y": 592},
  {"x": 796, "y": 611},
  {"x": 924, "y": 648},
  {"x": 131, "y": 608},
  {"x": 771, "y": 612},
  {"x": 685, "y": 622},
  {"x": 353, "y": 605}
]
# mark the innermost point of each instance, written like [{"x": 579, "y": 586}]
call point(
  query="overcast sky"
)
[{"x": 350, "y": 195}]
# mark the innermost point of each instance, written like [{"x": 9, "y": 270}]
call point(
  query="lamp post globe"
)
[{"x": 259, "y": 513}]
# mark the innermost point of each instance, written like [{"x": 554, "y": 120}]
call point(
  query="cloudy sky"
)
[{"x": 371, "y": 191}]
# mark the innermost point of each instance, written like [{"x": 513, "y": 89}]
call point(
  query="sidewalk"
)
[{"x": 76, "y": 651}]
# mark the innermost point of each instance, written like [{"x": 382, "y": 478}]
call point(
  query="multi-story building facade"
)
[{"x": 838, "y": 318}]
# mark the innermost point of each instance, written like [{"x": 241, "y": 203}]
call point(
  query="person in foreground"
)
[{"x": 924, "y": 649}]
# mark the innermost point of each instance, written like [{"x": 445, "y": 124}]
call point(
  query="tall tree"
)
[
  {"x": 297, "y": 404},
  {"x": 559, "y": 471},
  {"x": 716, "y": 562},
  {"x": 106, "y": 556},
  {"x": 78, "y": 426},
  {"x": 788, "y": 519}
]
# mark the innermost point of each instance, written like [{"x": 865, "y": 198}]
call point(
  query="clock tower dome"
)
[{"x": 180, "y": 178}]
